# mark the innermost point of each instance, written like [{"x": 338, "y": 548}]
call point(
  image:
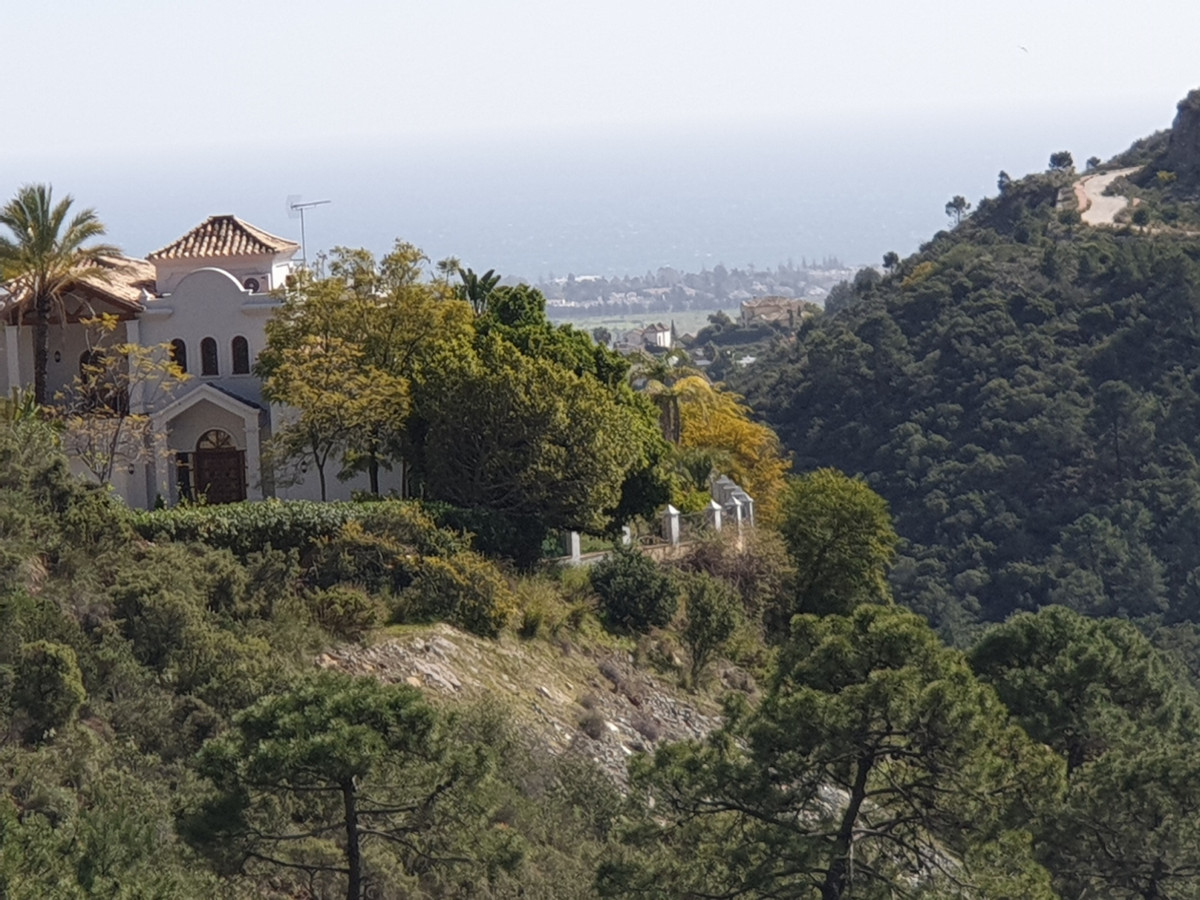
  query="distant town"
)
[{"x": 669, "y": 290}]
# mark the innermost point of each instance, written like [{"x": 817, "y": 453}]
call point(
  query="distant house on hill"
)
[
  {"x": 653, "y": 338},
  {"x": 658, "y": 335},
  {"x": 775, "y": 311},
  {"x": 207, "y": 297}
]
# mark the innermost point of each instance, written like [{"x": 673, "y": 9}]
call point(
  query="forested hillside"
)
[
  {"x": 1024, "y": 391},
  {"x": 401, "y": 698}
]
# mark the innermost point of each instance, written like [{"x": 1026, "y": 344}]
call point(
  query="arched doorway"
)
[{"x": 220, "y": 468}]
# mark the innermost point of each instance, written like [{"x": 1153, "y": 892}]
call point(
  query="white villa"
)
[{"x": 207, "y": 296}]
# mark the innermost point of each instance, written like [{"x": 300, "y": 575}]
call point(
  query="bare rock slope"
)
[{"x": 570, "y": 699}]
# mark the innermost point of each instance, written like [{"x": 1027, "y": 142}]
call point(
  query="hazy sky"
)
[
  {"x": 98, "y": 90},
  {"x": 128, "y": 74}
]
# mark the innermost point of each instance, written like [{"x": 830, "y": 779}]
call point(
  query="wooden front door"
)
[{"x": 220, "y": 469}]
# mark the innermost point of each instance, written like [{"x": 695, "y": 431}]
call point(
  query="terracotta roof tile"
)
[
  {"x": 224, "y": 236},
  {"x": 119, "y": 279},
  {"x": 125, "y": 279}
]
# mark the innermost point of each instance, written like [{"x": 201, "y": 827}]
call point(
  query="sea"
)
[{"x": 609, "y": 201}]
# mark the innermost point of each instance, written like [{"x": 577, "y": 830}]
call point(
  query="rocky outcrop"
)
[
  {"x": 1183, "y": 148},
  {"x": 591, "y": 702}
]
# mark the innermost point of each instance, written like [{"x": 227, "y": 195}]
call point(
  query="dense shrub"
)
[
  {"x": 634, "y": 591},
  {"x": 346, "y": 612},
  {"x": 759, "y": 569},
  {"x": 464, "y": 589},
  {"x": 376, "y": 562},
  {"x": 714, "y": 611},
  {"x": 48, "y": 687},
  {"x": 298, "y": 525},
  {"x": 493, "y": 533},
  {"x": 411, "y": 523},
  {"x": 247, "y": 527}
]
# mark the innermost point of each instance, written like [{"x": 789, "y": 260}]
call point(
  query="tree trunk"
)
[
  {"x": 838, "y": 873},
  {"x": 353, "y": 850},
  {"x": 41, "y": 348},
  {"x": 373, "y": 473}
]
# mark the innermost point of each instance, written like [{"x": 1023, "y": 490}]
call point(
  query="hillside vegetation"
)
[
  {"x": 383, "y": 698},
  {"x": 1024, "y": 393}
]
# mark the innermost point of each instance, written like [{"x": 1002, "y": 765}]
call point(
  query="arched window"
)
[
  {"x": 179, "y": 354},
  {"x": 215, "y": 439},
  {"x": 208, "y": 357},
  {"x": 241, "y": 356}
]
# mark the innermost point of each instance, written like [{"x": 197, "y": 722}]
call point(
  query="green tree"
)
[
  {"x": 658, "y": 378},
  {"x": 1108, "y": 703},
  {"x": 891, "y": 260},
  {"x": 476, "y": 288},
  {"x": 105, "y": 413},
  {"x": 714, "y": 611},
  {"x": 528, "y": 440},
  {"x": 1061, "y": 161},
  {"x": 840, "y": 537},
  {"x": 47, "y": 687},
  {"x": 957, "y": 208},
  {"x": 1081, "y": 685},
  {"x": 875, "y": 760},
  {"x": 635, "y": 592},
  {"x": 448, "y": 266},
  {"x": 337, "y": 400},
  {"x": 387, "y": 326},
  {"x": 309, "y": 779},
  {"x": 45, "y": 255}
]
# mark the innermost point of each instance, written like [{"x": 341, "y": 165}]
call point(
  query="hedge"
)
[{"x": 248, "y": 527}]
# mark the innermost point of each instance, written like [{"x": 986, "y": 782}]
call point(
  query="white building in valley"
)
[{"x": 207, "y": 297}]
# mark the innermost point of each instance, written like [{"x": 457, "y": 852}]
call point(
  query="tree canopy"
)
[
  {"x": 1017, "y": 393},
  {"x": 43, "y": 256},
  {"x": 876, "y": 759}
]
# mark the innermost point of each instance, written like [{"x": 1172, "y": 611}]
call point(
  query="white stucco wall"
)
[
  {"x": 67, "y": 344},
  {"x": 268, "y": 269},
  {"x": 211, "y": 303}
]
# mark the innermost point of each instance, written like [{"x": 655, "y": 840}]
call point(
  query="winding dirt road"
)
[{"x": 1094, "y": 207}]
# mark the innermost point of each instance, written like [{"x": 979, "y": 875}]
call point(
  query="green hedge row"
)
[{"x": 297, "y": 525}]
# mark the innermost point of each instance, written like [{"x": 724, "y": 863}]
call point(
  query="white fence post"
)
[
  {"x": 713, "y": 514},
  {"x": 671, "y": 525}
]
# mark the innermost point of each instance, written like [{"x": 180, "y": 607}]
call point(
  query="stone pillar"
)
[
  {"x": 626, "y": 535},
  {"x": 736, "y": 510},
  {"x": 573, "y": 547},
  {"x": 713, "y": 515},
  {"x": 161, "y": 468},
  {"x": 739, "y": 514},
  {"x": 747, "y": 503},
  {"x": 254, "y": 475},
  {"x": 671, "y": 525}
]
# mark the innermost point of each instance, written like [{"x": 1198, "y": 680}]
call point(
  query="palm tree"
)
[
  {"x": 44, "y": 257},
  {"x": 447, "y": 267},
  {"x": 659, "y": 378},
  {"x": 475, "y": 288}
]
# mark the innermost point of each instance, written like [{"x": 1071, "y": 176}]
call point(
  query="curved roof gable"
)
[{"x": 221, "y": 236}]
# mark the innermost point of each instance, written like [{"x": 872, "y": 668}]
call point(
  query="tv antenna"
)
[{"x": 296, "y": 210}]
